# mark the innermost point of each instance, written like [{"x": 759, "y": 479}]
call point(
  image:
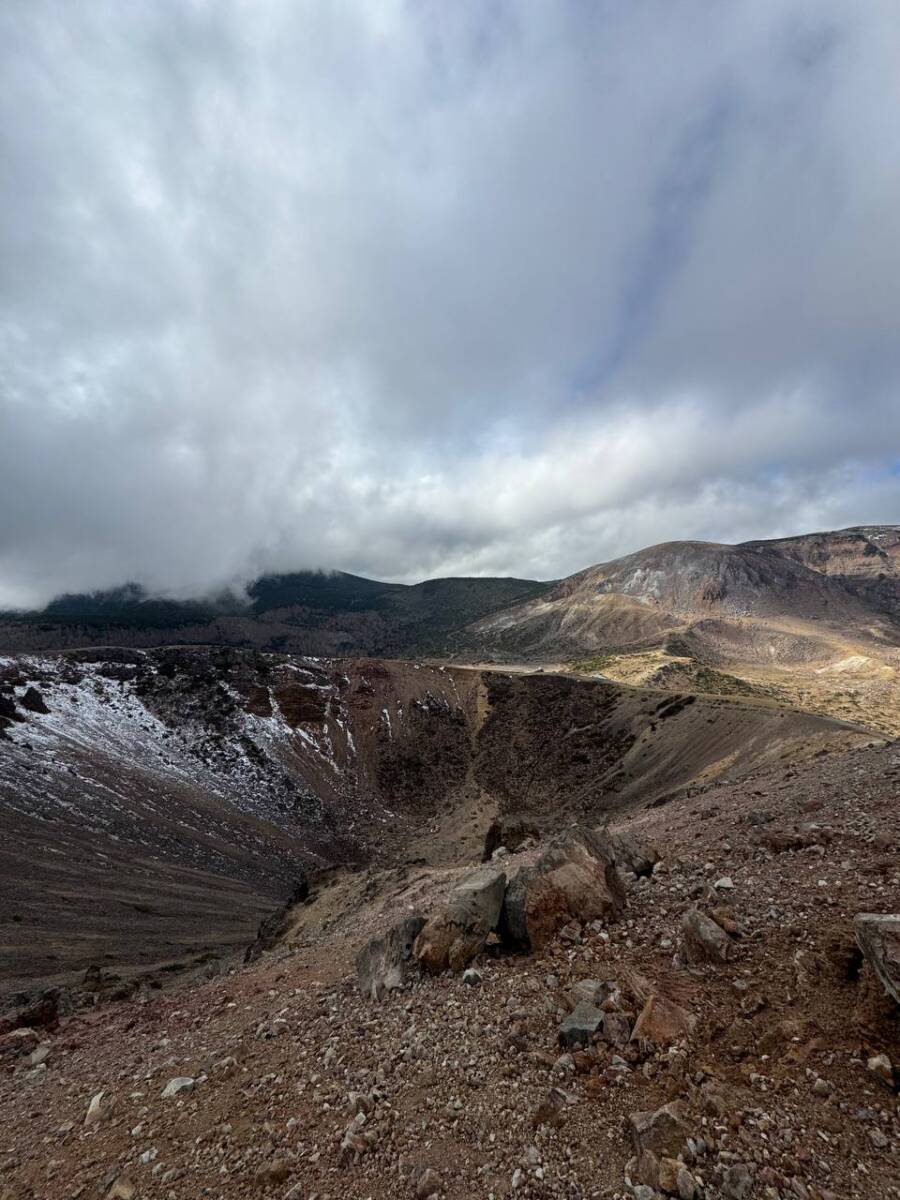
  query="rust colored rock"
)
[
  {"x": 576, "y": 878},
  {"x": 661, "y": 1021},
  {"x": 724, "y": 917}
]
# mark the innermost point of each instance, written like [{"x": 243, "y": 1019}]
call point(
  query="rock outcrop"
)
[
  {"x": 576, "y": 878},
  {"x": 459, "y": 931},
  {"x": 878, "y": 935},
  {"x": 273, "y": 927},
  {"x": 385, "y": 963}
]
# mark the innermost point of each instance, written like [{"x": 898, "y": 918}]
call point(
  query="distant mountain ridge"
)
[
  {"x": 307, "y": 612},
  {"x": 784, "y": 598},
  {"x": 705, "y": 598}
]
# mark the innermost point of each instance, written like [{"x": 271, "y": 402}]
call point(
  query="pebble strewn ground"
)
[{"x": 280, "y": 1080}]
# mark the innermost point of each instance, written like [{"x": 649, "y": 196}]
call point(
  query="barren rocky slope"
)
[
  {"x": 814, "y": 620},
  {"x": 755, "y": 1062},
  {"x": 157, "y": 803},
  {"x": 802, "y": 590}
]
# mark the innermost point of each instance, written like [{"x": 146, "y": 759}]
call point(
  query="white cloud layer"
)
[{"x": 425, "y": 288}]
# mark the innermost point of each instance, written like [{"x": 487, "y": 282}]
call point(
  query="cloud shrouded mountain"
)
[{"x": 421, "y": 289}]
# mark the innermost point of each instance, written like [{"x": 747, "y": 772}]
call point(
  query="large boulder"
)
[
  {"x": 385, "y": 963},
  {"x": 458, "y": 932},
  {"x": 576, "y": 878},
  {"x": 878, "y": 936}
]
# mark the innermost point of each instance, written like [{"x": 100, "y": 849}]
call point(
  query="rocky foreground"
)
[{"x": 693, "y": 1009}]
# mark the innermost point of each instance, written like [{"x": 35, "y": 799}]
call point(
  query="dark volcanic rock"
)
[
  {"x": 33, "y": 701},
  {"x": 386, "y": 962},
  {"x": 580, "y": 1025}
]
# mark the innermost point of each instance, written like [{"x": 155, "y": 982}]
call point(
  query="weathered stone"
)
[
  {"x": 274, "y": 1171},
  {"x": 646, "y": 1169},
  {"x": 17, "y": 1042},
  {"x": 458, "y": 932},
  {"x": 662, "y": 1021},
  {"x": 633, "y": 853},
  {"x": 880, "y": 1066},
  {"x": 99, "y": 1109},
  {"x": 704, "y": 940},
  {"x": 724, "y": 917},
  {"x": 738, "y": 1182},
  {"x": 670, "y": 1170},
  {"x": 616, "y": 1028},
  {"x": 580, "y": 1025},
  {"x": 591, "y": 991},
  {"x": 663, "y": 1131},
  {"x": 122, "y": 1189},
  {"x": 176, "y": 1086},
  {"x": 385, "y": 963},
  {"x": 428, "y": 1184},
  {"x": 40, "y": 1055},
  {"x": 571, "y": 933},
  {"x": 575, "y": 879},
  {"x": 878, "y": 936},
  {"x": 685, "y": 1183}
]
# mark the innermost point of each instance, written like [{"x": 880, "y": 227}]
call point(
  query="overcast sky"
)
[{"x": 431, "y": 288}]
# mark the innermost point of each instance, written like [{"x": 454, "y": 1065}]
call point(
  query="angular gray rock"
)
[
  {"x": 100, "y": 1108},
  {"x": 663, "y": 1130},
  {"x": 591, "y": 991},
  {"x": 704, "y": 940},
  {"x": 385, "y": 963},
  {"x": 576, "y": 878},
  {"x": 878, "y": 936},
  {"x": 458, "y": 932},
  {"x": 181, "y": 1083},
  {"x": 580, "y": 1025},
  {"x": 738, "y": 1182}
]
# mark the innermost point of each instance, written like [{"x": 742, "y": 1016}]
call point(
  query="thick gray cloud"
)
[{"x": 425, "y": 288}]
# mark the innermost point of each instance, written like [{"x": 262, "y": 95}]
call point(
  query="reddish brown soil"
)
[{"x": 773, "y": 1077}]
